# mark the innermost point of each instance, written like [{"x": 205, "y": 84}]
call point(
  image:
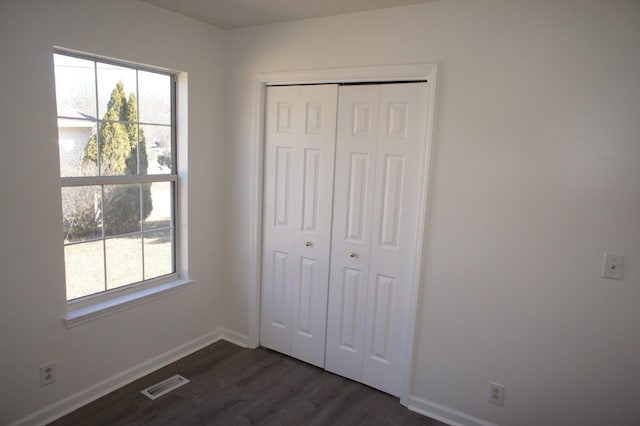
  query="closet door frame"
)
[{"x": 370, "y": 74}]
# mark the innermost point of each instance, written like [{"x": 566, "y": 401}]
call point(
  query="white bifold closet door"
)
[
  {"x": 339, "y": 255},
  {"x": 300, "y": 131},
  {"x": 378, "y": 182}
]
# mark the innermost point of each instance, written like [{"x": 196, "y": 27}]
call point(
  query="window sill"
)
[{"x": 80, "y": 315}]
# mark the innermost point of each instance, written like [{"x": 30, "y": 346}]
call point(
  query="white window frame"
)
[{"x": 96, "y": 305}]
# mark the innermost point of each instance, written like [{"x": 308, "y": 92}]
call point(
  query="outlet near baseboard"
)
[
  {"x": 47, "y": 374},
  {"x": 496, "y": 393}
]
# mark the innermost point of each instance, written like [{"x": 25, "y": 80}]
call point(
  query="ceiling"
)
[{"x": 230, "y": 14}]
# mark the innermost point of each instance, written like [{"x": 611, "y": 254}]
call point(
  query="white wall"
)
[
  {"x": 535, "y": 174},
  {"x": 32, "y": 293}
]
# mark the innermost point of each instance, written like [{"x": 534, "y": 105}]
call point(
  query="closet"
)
[{"x": 342, "y": 183}]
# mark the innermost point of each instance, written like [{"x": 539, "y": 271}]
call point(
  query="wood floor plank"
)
[{"x": 230, "y": 385}]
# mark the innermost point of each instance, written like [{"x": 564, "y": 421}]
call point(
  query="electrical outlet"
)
[
  {"x": 47, "y": 374},
  {"x": 613, "y": 266},
  {"x": 496, "y": 393}
]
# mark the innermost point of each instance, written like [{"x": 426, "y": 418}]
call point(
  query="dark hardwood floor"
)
[{"x": 230, "y": 385}]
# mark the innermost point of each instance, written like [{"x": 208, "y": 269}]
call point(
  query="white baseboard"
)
[
  {"x": 90, "y": 394},
  {"x": 444, "y": 414},
  {"x": 235, "y": 337}
]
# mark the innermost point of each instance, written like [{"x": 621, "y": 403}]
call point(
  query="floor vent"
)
[{"x": 165, "y": 386}]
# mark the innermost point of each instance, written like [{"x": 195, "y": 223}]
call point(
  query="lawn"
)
[{"x": 125, "y": 258}]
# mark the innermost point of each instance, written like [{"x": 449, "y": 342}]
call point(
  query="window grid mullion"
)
[
  {"x": 102, "y": 120},
  {"x": 140, "y": 171},
  {"x": 107, "y": 61},
  {"x": 115, "y": 180},
  {"x": 113, "y": 237},
  {"x": 142, "y": 207},
  {"x": 137, "y": 124},
  {"x": 98, "y": 136},
  {"x": 104, "y": 241}
]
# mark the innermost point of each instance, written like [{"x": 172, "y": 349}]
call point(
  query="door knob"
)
[
  {"x": 308, "y": 244},
  {"x": 352, "y": 254}
]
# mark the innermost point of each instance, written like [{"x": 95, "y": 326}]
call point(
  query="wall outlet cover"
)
[
  {"x": 496, "y": 393},
  {"x": 613, "y": 266},
  {"x": 47, "y": 374}
]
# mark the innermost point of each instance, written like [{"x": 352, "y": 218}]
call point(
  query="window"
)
[{"x": 116, "y": 127}]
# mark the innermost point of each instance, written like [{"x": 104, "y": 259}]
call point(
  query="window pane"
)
[
  {"x": 81, "y": 207},
  {"x": 124, "y": 261},
  {"x": 75, "y": 87},
  {"x": 155, "y": 97},
  {"x": 161, "y": 203},
  {"x": 118, "y": 146},
  {"x": 158, "y": 253},
  {"x": 157, "y": 141},
  {"x": 116, "y": 87},
  {"x": 118, "y": 110},
  {"x": 74, "y": 138},
  {"x": 122, "y": 208},
  {"x": 84, "y": 268}
]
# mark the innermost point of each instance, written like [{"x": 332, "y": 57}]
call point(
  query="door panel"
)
[
  {"x": 357, "y": 197},
  {"x": 282, "y": 186},
  {"x": 316, "y": 154},
  {"x": 382, "y": 311},
  {"x": 279, "y": 231},
  {"x": 379, "y": 154},
  {"x": 350, "y": 289},
  {"x": 304, "y": 321},
  {"x": 392, "y": 181},
  {"x": 299, "y": 158},
  {"x": 281, "y": 280},
  {"x": 310, "y": 190},
  {"x": 399, "y": 168},
  {"x": 351, "y": 236}
]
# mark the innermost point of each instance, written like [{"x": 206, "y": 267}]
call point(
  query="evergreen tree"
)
[
  {"x": 115, "y": 144},
  {"x": 137, "y": 142}
]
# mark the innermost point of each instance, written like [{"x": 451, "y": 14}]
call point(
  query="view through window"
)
[{"x": 118, "y": 174}]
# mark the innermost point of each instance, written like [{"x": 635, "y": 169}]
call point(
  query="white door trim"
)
[{"x": 407, "y": 72}]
